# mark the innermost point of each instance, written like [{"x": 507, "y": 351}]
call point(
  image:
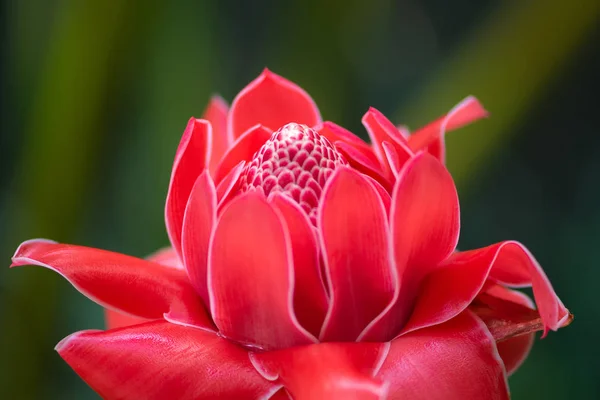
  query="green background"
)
[{"x": 95, "y": 96}]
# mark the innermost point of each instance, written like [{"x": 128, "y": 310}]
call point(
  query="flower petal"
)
[
  {"x": 251, "y": 276},
  {"x": 198, "y": 224},
  {"x": 335, "y": 133},
  {"x": 229, "y": 185},
  {"x": 310, "y": 298},
  {"x": 381, "y": 130},
  {"x": 392, "y": 157},
  {"x": 359, "y": 154},
  {"x": 127, "y": 284},
  {"x": 355, "y": 243},
  {"x": 361, "y": 163},
  {"x": 326, "y": 370},
  {"x": 243, "y": 149},
  {"x": 431, "y": 137},
  {"x": 425, "y": 225},
  {"x": 454, "y": 361},
  {"x": 272, "y": 101},
  {"x": 114, "y": 319},
  {"x": 191, "y": 159},
  {"x": 216, "y": 114},
  {"x": 425, "y": 214},
  {"x": 515, "y": 350},
  {"x": 160, "y": 360},
  {"x": 505, "y": 262}
]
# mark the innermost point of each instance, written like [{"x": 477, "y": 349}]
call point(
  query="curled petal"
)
[
  {"x": 216, "y": 114},
  {"x": 310, "y": 298},
  {"x": 198, "y": 224},
  {"x": 127, "y": 284},
  {"x": 355, "y": 243},
  {"x": 507, "y": 262},
  {"x": 191, "y": 159},
  {"x": 243, "y": 150},
  {"x": 457, "y": 360},
  {"x": 431, "y": 137},
  {"x": 381, "y": 130},
  {"x": 326, "y": 370},
  {"x": 251, "y": 276},
  {"x": 160, "y": 360},
  {"x": 271, "y": 101}
]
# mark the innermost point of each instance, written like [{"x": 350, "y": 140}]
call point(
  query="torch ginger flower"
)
[{"x": 306, "y": 264}]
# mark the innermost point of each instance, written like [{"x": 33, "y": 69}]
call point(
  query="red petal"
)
[
  {"x": 114, "y": 319},
  {"x": 425, "y": 226},
  {"x": 251, "y": 276},
  {"x": 355, "y": 243},
  {"x": 310, "y": 299},
  {"x": 216, "y": 114},
  {"x": 326, "y": 370},
  {"x": 381, "y": 130},
  {"x": 507, "y": 262},
  {"x": 243, "y": 149},
  {"x": 160, "y": 360},
  {"x": 392, "y": 157},
  {"x": 272, "y": 101},
  {"x": 361, "y": 163},
  {"x": 431, "y": 137},
  {"x": 335, "y": 133},
  {"x": 200, "y": 218},
  {"x": 116, "y": 281},
  {"x": 425, "y": 215},
  {"x": 191, "y": 159},
  {"x": 513, "y": 351},
  {"x": 454, "y": 361},
  {"x": 229, "y": 184}
]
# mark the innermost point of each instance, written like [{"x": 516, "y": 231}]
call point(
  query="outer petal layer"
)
[
  {"x": 508, "y": 262},
  {"x": 251, "y": 279},
  {"x": 454, "y": 361},
  {"x": 199, "y": 221},
  {"x": 160, "y": 360},
  {"x": 431, "y": 136},
  {"x": 191, "y": 159},
  {"x": 114, "y": 319},
  {"x": 116, "y": 281},
  {"x": 216, "y": 114},
  {"x": 355, "y": 243},
  {"x": 326, "y": 370},
  {"x": 271, "y": 101}
]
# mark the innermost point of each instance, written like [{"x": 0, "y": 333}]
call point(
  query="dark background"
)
[{"x": 95, "y": 96}]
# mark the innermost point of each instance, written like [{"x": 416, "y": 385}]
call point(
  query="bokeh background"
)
[{"x": 95, "y": 96}]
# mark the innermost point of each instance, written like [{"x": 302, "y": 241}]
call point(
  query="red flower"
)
[{"x": 306, "y": 263}]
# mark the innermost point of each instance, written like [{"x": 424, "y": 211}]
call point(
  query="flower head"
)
[{"x": 306, "y": 264}]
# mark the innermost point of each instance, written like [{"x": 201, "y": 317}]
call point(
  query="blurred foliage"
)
[{"x": 96, "y": 94}]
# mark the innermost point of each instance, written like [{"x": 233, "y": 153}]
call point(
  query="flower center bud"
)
[{"x": 295, "y": 161}]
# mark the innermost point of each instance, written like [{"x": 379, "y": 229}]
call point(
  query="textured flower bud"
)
[{"x": 296, "y": 161}]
